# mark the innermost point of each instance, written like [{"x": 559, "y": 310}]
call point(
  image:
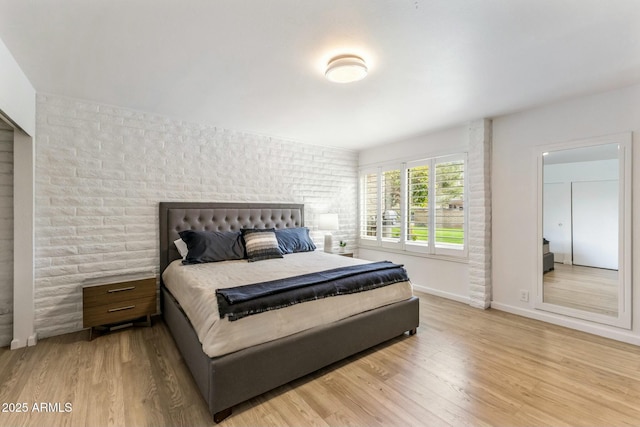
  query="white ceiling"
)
[{"x": 257, "y": 66}]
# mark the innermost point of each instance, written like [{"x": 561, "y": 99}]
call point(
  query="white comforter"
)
[{"x": 194, "y": 287}]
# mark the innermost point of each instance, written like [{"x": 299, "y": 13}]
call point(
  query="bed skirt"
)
[{"x": 228, "y": 380}]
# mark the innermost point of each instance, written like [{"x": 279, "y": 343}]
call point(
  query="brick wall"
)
[
  {"x": 479, "y": 170},
  {"x": 6, "y": 234},
  {"x": 101, "y": 171}
]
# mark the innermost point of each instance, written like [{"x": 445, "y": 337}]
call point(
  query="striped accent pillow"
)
[{"x": 261, "y": 244}]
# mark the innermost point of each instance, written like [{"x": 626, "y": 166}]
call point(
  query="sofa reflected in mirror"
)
[{"x": 547, "y": 257}]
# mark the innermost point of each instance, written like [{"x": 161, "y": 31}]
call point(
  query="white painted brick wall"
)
[
  {"x": 6, "y": 234},
  {"x": 101, "y": 171},
  {"x": 479, "y": 170}
]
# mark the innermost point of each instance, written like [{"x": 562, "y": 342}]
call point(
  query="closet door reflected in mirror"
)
[{"x": 584, "y": 229}]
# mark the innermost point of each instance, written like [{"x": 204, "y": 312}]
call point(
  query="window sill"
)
[{"x": 458, "y": 259}]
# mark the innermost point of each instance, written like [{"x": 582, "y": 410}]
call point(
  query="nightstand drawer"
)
[
  {"x": 118, "y": 311},
  {"x": 97, "y": 295},
  {"x": 118, "y": 302}
]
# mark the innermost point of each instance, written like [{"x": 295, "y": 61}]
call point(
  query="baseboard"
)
[
  {"x": 567, "y": 322},
  {"x": 32, "y": 340},
  {"x": 17, "y": 343},
  {"x": 443, "y": 294}
]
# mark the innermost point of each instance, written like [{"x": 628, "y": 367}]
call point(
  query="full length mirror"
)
[{"x": 585, "y": 230}]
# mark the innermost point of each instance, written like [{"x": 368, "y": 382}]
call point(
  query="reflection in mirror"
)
[
  {"x": 580, "y": 228},
  {"x": 584, "y": 229}
]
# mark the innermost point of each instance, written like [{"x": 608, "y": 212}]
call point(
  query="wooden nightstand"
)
[{"x": 112, "y": 303}]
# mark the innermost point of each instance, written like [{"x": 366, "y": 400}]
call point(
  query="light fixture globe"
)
[{"x": 346, "y": 69}]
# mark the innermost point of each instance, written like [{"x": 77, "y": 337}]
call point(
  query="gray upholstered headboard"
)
[{"x": 179, "y": 216}]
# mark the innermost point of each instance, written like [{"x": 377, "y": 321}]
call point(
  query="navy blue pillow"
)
[
  {"x": 212, "y": 246},
  {"x": 291, "y": 240}
]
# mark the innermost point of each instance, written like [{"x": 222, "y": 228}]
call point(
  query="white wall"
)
[
  {"x": 102, "y": 170},
  {"x": 515, "y": 245},
  {"x": 18, "y": 107},
  {"x": 6, "y": 234},
  {"x": 438, "y": 276},
  {"x": 17, "y": 96}
]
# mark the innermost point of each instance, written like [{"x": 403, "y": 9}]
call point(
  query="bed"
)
[{"x": 227, "y": 376}]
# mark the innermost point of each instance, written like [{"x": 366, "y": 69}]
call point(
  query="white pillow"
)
[{"x": 182, "y": 247}]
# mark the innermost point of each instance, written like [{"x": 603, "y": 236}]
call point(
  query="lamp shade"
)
[{"x": 328, "y": 222}]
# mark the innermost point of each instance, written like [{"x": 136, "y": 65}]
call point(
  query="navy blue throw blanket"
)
[{"x": 242, "y": 301}]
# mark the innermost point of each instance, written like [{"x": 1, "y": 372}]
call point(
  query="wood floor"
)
[
  {"x": 465, "y": 367},
  {"x": 583, "y": 288}
]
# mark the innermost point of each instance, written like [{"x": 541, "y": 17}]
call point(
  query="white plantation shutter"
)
[
  {"x": 449, "y": 203},
  {"x": 368, "y": 205},
  {"x": 390, "y": 209},
  {"x": 418, "y": 207},
  {"x": 418, "y": 204}
]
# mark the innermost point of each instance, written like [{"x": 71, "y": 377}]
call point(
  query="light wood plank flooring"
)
[
  {"x": 583, "y": 288},
  {"x": 465, "y": 367}
]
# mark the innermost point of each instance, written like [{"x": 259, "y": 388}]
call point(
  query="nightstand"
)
[
  {"x": 347, "y": 254},
  {"x": 117, "y": 303}
]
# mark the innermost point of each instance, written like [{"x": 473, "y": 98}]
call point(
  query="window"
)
[
  {"x": 449, "y": 203},
  {"x": 391, "y": 196},
  {"x": 418, "y": 207},
  {"x": 418, "y": 204},
  {"x": 368, "y": 205}
]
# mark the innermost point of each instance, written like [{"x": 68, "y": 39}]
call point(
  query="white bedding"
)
[{"x": 194, "y": 287}]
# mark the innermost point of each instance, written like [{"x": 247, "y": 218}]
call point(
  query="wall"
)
[
  {"x": 6, "y": 234},
  {"x": 101, "y": 171},
  {"x": 515, "y": 244},
  {"x": 18, "y": 107},
  {"x": 434, "y": 275},
  {"x": 17, "y": 96}
]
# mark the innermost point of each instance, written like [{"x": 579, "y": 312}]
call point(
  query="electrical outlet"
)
[{"x": 524, "y": 295}]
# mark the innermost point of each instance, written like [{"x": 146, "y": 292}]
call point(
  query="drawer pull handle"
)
[
  {"x": 130, "y": 288},
  {"x": 129, "y": 307}
]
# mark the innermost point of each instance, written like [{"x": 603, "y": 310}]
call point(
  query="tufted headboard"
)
[{"x": 179, "y": 216}]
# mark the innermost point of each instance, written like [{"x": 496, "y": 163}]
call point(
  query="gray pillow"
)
[
  {"x": 212, "y": 246},
  {"x": 261, "y": 244}
]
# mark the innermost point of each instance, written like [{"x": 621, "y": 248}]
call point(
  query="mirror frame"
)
[{"x": 623, "y": 320}]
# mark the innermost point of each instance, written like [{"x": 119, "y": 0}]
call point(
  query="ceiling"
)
[{"x": 257, "y": 66}]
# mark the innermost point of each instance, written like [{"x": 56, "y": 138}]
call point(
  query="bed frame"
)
[{"x": 228, "y": 380}]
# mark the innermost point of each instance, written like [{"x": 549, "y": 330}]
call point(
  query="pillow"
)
[
  {"x": 291, "y": 240},
  {"x": 212, "y": 246},
  {"x": 261, "y": 244},
  {"x": 181, "y": 246}
]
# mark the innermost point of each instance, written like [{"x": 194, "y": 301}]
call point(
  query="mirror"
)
[{"x": 584, "y": 230}]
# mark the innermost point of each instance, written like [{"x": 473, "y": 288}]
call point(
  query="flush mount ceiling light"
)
[{"x": 346, "y": 69}]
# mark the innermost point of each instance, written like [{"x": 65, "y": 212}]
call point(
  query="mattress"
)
[{"x": 194, "y": 286}]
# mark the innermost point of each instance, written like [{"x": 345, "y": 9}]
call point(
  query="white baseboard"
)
[
  {"x": 17, "y": 343},
  {"x": 439, "y": 293},
  {"x": 580, "y": 325},
  {"x": 32, "y": 340}
]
